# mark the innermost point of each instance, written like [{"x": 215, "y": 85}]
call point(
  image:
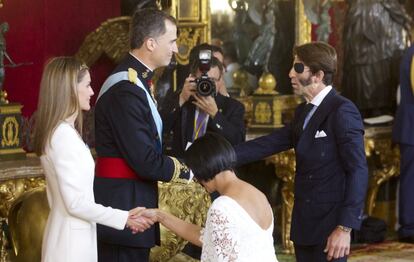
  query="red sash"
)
[{"x": 114, "y": 167}]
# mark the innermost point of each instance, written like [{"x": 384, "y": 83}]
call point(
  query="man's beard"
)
[{"x": 305, "y": 82}]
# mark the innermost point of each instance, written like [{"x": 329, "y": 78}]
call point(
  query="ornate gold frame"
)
[
  {"x": 303, "y": 25},
  {"x": 191, "y": 8}
]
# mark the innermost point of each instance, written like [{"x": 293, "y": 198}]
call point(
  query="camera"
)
[{"x": 205, "y": 86}]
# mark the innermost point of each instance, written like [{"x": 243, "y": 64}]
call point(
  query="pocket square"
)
[{"x": 320, "y": 134}]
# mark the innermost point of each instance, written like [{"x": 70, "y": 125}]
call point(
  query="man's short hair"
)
[
  {"x": 147, "y": 22},
  {"x": 318, "y": 56}
]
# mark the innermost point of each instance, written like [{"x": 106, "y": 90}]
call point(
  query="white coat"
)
[{"x": 70, "y": 233}]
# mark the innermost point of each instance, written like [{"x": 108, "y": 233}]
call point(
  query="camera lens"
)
[{"x": 205, "y": 87}]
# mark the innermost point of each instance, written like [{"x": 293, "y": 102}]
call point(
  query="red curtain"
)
[{"x": 39, "y": 30}]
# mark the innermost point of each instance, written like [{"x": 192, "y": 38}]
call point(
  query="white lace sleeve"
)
[{"x": 220, "y": 241}]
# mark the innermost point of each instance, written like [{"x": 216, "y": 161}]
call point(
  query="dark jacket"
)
[
  {"x": 179, "y": 122},
  {"x": 124, "y": 128},
  {"x": 331, "y": 171}
]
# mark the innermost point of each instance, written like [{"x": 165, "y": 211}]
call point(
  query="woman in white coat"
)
[{"x": 70, "y": 233}]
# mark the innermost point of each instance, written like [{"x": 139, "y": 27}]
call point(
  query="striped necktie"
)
[
  {"x": 301, "y": 120},
  {"x": 200, "y": 125}
]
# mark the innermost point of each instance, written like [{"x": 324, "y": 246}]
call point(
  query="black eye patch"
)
[{"x": 299, "y": 67}]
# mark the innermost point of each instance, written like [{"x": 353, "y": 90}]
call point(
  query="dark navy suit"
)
[
  {"x": 124, "y": 128},
  {"x": 179, "y": 121},
  {"x": 331, "y": 172},
  {"x": 403, "y": 133}
]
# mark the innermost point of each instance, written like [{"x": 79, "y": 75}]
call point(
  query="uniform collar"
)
[{"x": 144, "y": 73}]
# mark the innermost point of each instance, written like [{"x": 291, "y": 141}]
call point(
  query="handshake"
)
[{"x": 140, "y": 219}]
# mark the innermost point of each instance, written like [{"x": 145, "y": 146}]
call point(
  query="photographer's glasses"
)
[{"x": 299, "y": 68}]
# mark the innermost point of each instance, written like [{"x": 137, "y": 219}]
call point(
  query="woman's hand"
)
[{"x": 138, "y": 223}]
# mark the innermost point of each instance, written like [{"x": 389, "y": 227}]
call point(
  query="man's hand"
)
[
  {"x": 221, "y": 87},
  {"x": 138, "y": 223},
  {"x": 207, "y": 104},
  {"x": 189, "y": 89},
  {"x": 146, "y": 215},
  {"x": 338, "y": 244}
]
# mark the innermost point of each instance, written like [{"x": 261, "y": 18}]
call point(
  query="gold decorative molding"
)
[
  {"x": 110, "y": 38},
  {"x": 189, "y": 202},
  {"x": 10, "y": 109},
  {"x": 10, "y": 190},
  {"x": 10, "y": 132},
  {"x": 303, "y": 25},
  {"x": 385, "y": 158},
  {"x": 285, "y": 169},
  {"x": 188, "y": 10},
  {"x": 11, "y": 151},
  {"x": 268, "y": 110},
  {"x": 188, "y": 38}
]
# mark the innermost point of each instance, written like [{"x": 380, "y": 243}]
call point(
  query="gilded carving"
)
[
  {"x": 285, "y": 169},
  {"x": 386, "y": 160},
  {"x": 110, "y": 38},
  {"x": 10, "y": 190},
  {"x": 189, "y": 202},
  {"x": 188, "y": 38},
  {"x": 10, "y": 132},
  {"x": 303, "y": 25},
  {"x": 263, "y": 113},
  {"x": 4, "y": 257}
]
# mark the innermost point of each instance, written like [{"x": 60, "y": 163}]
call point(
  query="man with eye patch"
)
[{"x": 331, "y": 177}]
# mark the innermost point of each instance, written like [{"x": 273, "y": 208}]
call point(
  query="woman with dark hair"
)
[{"x": 239, "y": 223}]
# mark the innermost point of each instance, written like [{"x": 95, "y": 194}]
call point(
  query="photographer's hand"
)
[
  {"x": 221, "y": 87},
  {"x": 189, "y": 89},
  {"x": 207, "y": 104}
]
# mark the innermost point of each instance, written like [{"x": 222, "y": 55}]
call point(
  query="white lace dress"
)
[{"x": 232, "y": 235}]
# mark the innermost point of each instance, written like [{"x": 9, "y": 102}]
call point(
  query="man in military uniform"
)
[{"x": 129, "y": 136}]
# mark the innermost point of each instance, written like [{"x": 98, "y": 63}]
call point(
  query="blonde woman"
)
[{"x": 70, "y": 233}]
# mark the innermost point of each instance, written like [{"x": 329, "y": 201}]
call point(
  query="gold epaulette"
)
[
  {"x": 178, "y": 168},
  {"x": 412, "y": 74},
  {"x": 132, "y": 75}
]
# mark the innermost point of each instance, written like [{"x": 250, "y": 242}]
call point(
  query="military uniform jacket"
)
[
  {"x": 124, "y": 128},
  {"x": 331, "y": 170},
  {"x": 179, "y": 122}
]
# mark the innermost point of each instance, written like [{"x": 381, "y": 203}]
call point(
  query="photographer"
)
[{"x": 189, "y": 114}]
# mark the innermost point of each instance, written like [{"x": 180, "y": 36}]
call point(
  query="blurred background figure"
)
[
  {"x": 375, "y": 36},
  {"x": 403, "y": 135}
]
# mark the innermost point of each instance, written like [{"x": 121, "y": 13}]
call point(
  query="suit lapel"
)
[
  {"x": 323, "y": 110},
  {"x": 221, "y": 104},
  {"x": 187, "y": 124}
]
